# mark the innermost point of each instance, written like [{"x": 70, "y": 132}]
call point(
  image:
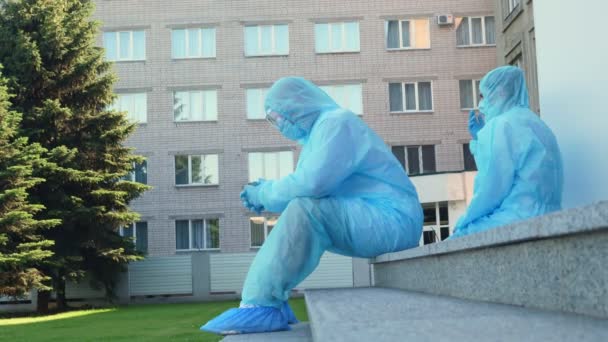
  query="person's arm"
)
[
  {"x": 334, "y": 157},
  {"x": 496, "y": 164}
]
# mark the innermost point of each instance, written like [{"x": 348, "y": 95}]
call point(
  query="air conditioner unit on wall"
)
[{"x": 445, "y": 19}]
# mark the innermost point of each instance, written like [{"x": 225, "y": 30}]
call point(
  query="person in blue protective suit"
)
[
  {"x": 520, "y": 171},
  {"x": 348, "y": 195}
]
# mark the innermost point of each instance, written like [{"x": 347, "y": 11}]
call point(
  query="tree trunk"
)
[
  {"x": 42, "y": 306},
  {"x": 62, "y": 303}
]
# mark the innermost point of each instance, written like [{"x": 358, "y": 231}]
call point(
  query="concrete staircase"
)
[{"x": 545, "y": 279}]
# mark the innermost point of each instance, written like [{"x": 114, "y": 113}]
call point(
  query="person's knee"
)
[{"x": 300, "y": 206}]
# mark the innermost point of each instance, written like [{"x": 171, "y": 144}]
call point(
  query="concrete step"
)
[
  {"x": 376, "y": 314},
  {"x": 299, "y": 333},
  {"x": 554, "y": 262}
]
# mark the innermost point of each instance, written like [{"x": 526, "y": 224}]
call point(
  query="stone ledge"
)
[
  {"x": 299, "y": 333},
  {"x": 581, "y": 220},
  {"x": 375, "y": 314}
]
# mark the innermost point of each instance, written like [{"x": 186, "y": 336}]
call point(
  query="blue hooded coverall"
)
[
  {"x": 520, "y": 172},
  {"x": 348, "y": 195}
]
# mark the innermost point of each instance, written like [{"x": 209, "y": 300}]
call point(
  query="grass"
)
[{"x": 162, "y": 322}]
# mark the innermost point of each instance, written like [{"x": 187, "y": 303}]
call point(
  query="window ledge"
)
[
  {"x": 142, "y": 61},
  {"x": 475, "y": 46},
  {"x": 185, "y": 186},
  {"x": 262, "y": 56},
  {"x": 512, "y": 17},
  {"x": 338, "y": 53},
  {"x": 407, "y": 49},
  {"x": 256, "y": 120},
  {"x": 255, "y": 249},
  {"x": 174, "y": 59},
  {"x": 183, "y": 251},
  {"x": 194, "y": 121},
  {"x": 413, "y": 112}
]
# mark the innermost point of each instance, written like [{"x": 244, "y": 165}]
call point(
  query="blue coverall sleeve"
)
[
  {"x": 496, "y": 162},
  {"x": 332, "y": 158}
]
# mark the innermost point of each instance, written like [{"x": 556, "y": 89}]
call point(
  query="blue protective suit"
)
[
  {"x": 348, "y": 195},
  {"x": 520, "y": 168}
]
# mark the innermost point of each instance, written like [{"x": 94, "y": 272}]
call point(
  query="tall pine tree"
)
[
  {"x": 63, "y": 87},
  {"x": 22, "y": 248}
]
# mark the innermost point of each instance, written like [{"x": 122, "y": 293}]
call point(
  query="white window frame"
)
[
  {"x": 190, "y": 235},
  {"x": 130, "y": 117},
  {"x": 412, "y": 34},
  {"x": 190, "y": 169},
  {"x": 131, "y": 176},
  {"x": 343, "y": 39},
  {"x": 264, "y": 154},
  {"x": 263, "y": 92},
  {"x": 133, "y": 226},
  {"x": 266, "y": 219},
  {"x": 512, "y": 5},
  {"x": 331, "y": 88},
  {"x": 420, "y": 157},
  {"x": 436, "y": 228},
  {"x": 203, "y": 94},
  {"x": 475, "y": 94},
  {"x": 404, "y": 97},
  {"x": 483, "y": 31},
  {"x": 273, "y": 42},
  {"x": 120, "y": 58},
  {"x": 187, "y": 54}
]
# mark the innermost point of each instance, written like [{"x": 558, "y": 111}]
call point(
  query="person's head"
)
[
  {"x": 502, "y": 89},
  {"x": 293, "y": 104}
]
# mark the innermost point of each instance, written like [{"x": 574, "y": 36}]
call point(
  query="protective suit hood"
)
[
  {"x": 503, "y": 89},
  {"x": 299, "y": 101}
]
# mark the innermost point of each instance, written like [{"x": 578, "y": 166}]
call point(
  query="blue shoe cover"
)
[
  {"x": 248, "y": 320},
  {"x": 291, "y": 317}
]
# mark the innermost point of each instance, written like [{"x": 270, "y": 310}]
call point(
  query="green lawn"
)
[{"x": 162, "y": 322}]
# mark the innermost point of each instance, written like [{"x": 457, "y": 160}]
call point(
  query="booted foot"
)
[
  {"x": 248, "y": 320},
  {"x": 291, "y": 317}
]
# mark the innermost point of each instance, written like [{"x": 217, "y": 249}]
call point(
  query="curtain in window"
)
[
  {"x": 425, "y": 96},
  {"x": 182, "y": 235},
  {"x": 395, "y": 97},
  {"x": 462, "y": 31},
  {"x": 392, "y": 34},
  {"x": 197, "y": 234},
  {"x": 466, "y": 94}
]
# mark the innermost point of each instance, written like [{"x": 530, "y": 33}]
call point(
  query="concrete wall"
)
[{"x": 573, "y": 82}]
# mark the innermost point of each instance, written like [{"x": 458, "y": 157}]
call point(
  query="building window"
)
[
  {"x": 196, "y": 169},
  {"x": 193, "y": 43},
  {"x": 196, "y": 105},
  {"x": 139, "y": 173},
  {"x": 416, "y": 159},
  {"x": 469, "y": 160},
  {"x": 436, "y": 223},
  {"x": 348, "y": 96},
  {"x": 475, "y": 31},
  {"x": 270, "y": 165},
  {"x": 511, "y": 6},
  {"x": 197, "y": 234},
  {"x": 134, "y": 104},
  {"x": 125, "y": 45},
  {"x": 469, "y": 94},
  {"x": 255, "y": 103},
  {"x": 517, "y": 61},
  {"x": 260, "y": 228},
  {"x": 337, "y": 37},
  {"x": 139, "y": 233},
  {"x": 408, "y": 34},
  {"x": 266, "y": 40},
  {"x": 411, "y": 97}
]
